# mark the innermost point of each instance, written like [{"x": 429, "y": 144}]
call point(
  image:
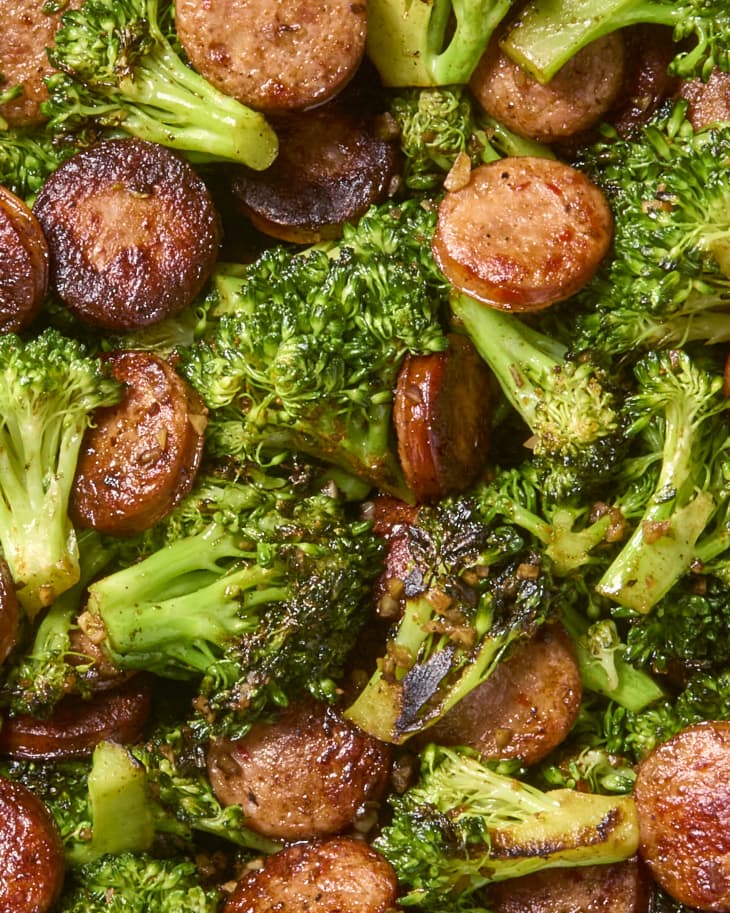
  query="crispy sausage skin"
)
[
  {"x": 339, "y": 875},
  {"x": 526, "y": 707},
  {"x": 140, "y": 457},
  {"x": 132, "y": 231},
  {"x": 442, "y": 413},
  {"x": 9, "y": 612},
  {"x": 307, "y": 774},
  {"x": 31, "y": 852},
  {"x": 274, "y": 56},
  {"x": 77, "y": 726},
  {"x": 23, "y": 265},
  {"x": 584, "y": 89},
  {"x": 523, "y": 233},
  {"x": 682, "y": 793}
]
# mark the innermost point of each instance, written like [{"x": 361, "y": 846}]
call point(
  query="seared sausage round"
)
[
  {"x": 23, "y": 264},
  {"x": 339, "y": 875},
  {"x": 574, "y": 99},
  {"x": 31, "y": 852},
  {"x": 9, "y": 611},
  {"x": 140, "y": 457},
  {"x": 77, "y": 726},
  {"x": 442, "y": 413},
  {"x": 525, "y": 708},
  {"x": 132, "y": 231},
  {"x": 304, "y": 775},
  {"x": 28, "y": 28},
  {"x": 274, "y": 56},
  {"x": 331, "y": 167},
  {"x": 682, "y": 793},
  {"x": 523, "y": 233}
]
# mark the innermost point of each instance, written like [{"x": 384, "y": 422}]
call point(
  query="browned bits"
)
[
  {"x": 708, "y": 100},
  {"x": 339, "y": 875},
  {"x": 140, "y": 457},
  {"x": 23, "y": 264},
  {"x": 523, "y": 234},
  {"x": 307, "y": 774},
  {"x": 583, "y": 90},
  {"x": 682, "y": 793},
  {"x": 132, "y": 231},
  {"x": 442, "y": 412},
  {"x": 282, "y": 56}
]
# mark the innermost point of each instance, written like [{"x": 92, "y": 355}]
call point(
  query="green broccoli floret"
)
[
  {"x": 27, "y": 158},
  {"x": 302, "y": 352},
  {"x": 49, "y": 389},
  {"x": 576, "y": 423},
  {"x": 473, "y": 588},
  {"x": 464, "y": 825},
  {"x": 118, "y": 69},
  {"x": 680, "y": 406},
  {"x": 259, "y": 598},
  {"x": 668, "y": 281},
  {"x": 430, "y": 44},
  {"x": 547, "y": 34}
]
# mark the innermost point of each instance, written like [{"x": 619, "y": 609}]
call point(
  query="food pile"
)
[{"x": 364, "y": 456}]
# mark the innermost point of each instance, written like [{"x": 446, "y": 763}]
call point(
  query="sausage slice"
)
[
  {"x": 682, "y": 793},
  {"x": 333, "y": 876},
  {"x": 23, "y": 264},
  {"x": 523, "y": 233},
  {"x": 132, "y": 231},
  {"x": 305, "y": 775},
  {"x": 140, "y": 457},
  {"x": 31, "y": 852},
  {"x": 274, "y": 55},
  {"x": 442, "y": 413}
]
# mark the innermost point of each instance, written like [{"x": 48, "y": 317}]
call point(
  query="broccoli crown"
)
[
  {"x": 464, "y": 824},
  {"x": 303, "y": 352},
  {"x": 27, "y": 158},
  {"x": 118, "y": 69},
  {"x": 49, "y": 388},
  {"x": 667, "y": 281},
  {"x": 546, "y": 34}
]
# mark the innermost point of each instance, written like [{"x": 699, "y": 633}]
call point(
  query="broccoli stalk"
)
[
  {"x": 118, "y": 69},
  {"x": 438, "y": 43},
  {"x": 547, "y": 33},
  {"x": 464, "y": 825},
  {"x": 49, "y": 389},
  {"x": 684, "y": 398},
  {"x": 577, "y": 428}
]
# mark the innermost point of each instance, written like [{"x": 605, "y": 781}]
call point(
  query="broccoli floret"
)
[
  {"x": 49, "y": 388},
  {"x": 302, "y": 352},
  {"x": 680, "y": 406},
  {"x": 547, "y": 34},
  {"x": 118, "y": 69},
  {"x": 430, "y": 44},
  {"x": 27, "y": 158},
  {"x": 667, "y": 282},
  {"x": 256, "y": 603},
  {"x": 138, "y": 883},
  {"x": 464, "y": 825},
  {"x": 576, "y": 423},
  {"x": 473, "y": 588}
]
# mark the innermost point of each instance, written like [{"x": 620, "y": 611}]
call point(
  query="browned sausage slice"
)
[
  {"x": 621, "y": 887},
  {"x": 573, "y": 100},
  {"x": 77, "y": 726},
  {"x": 23, "y": 264},
  {"x": 132, "y": 231},
  {"x": 331, "y": 167},
  {"x": 442, "y": 413},
  {"x": 9, "y": 612},
  {"x": 682, "y": 793},
  {"x": 307, "y": 774},
  {"x": 340, "y": 875},
  {"x": 141, "y": 456},
  {"x": 274, "y": 56},
  {"x": 31, "y": 852},
  {"x": 525, "y": 708},
  {"x": 523, "y": 233}
]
